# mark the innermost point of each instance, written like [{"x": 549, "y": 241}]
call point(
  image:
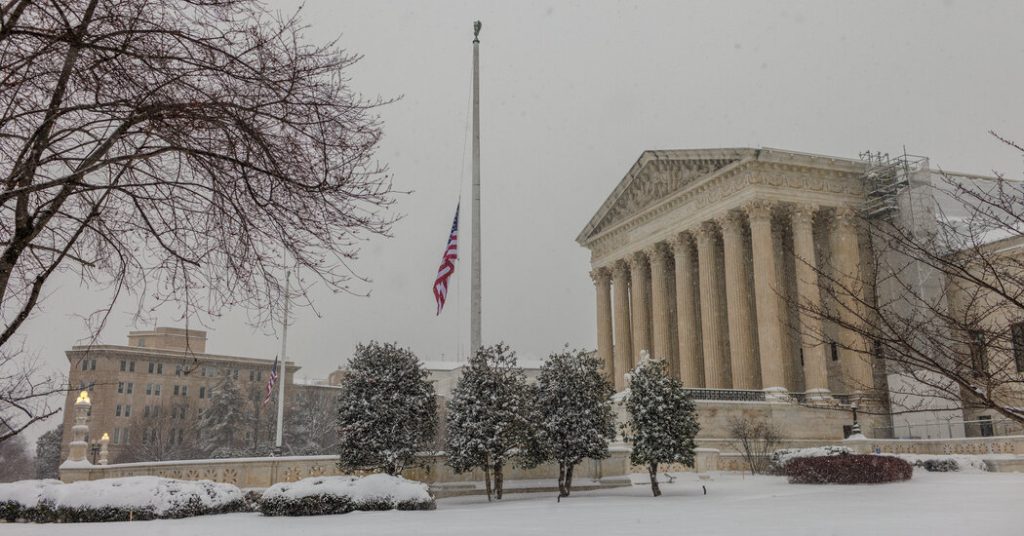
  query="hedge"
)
[{"x": 848, "y": 469}]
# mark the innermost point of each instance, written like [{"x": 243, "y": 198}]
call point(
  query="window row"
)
[{"x": 88, "y": 364}]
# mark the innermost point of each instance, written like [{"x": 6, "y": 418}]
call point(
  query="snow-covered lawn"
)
[{"x": 930, "y": 504}]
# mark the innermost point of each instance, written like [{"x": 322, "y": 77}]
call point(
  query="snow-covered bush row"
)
[
  {"x": 946, "y": 462},
  {"x": 782, "y": 456},
  {"x": 116, "y": 499},
  {"x": 343, "y": 494},
  {"x": 847, "y": 469}
]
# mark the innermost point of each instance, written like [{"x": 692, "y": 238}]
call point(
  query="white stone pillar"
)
[
  {"x": 746, "y": 371},
  {"x": 605, "y": 343},
  {"x": 812, "y": 340},
  {"x": 854, "y": 353},
  {"x": 78, "y": 448},
  {"x": 623, "y": 331},
  {"x": 716, "y": 363},
  {"x": 661, "y": 323},
  {"x": 769, "y": 323},
  {"x": 691, "y": 361},
  {"x": 640, "y": 280}
]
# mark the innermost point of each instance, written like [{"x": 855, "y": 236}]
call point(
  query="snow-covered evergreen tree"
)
[
  {"x": 222, "y": 424},
  {"x": 386, "y": 412},
  {"x": 489, "y": 415},
  {"x": 48, "y": 453},
  {"x": 662, "y": 421},
  {"x": 576, "y": 418}
]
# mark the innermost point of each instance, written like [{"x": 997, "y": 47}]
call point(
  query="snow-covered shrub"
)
[
  {"x": 574, "y": 415},
  {"x": 662, "y": 419},
  {"x": 492, "y": 415},
  {"x": 116, "y": 499},
  {"x": 386, "y": 411},
  {"x": 938, "y": 465},
  {"x": 848, "y": 469},
  {"x": 781, "y": 457},
  {"x": 343, "y": 494}
]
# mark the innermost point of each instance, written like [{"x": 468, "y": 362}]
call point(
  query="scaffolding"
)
[{"x": 884, "y": 179}]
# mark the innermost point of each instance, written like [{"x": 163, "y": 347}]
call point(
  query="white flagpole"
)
[
  {"x": 475, "y": 299},
  {"x": 281, "y": 368}
]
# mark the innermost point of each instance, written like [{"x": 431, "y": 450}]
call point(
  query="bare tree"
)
[
  {"x": 26, "y": 392},
  {"x": 167, "y": 432},
  {"x": 756, "y": 440},
  {"x": 941, "y": 295},
  {"x": 179, "y": 152},
  {"x": 15, "y": 460}
]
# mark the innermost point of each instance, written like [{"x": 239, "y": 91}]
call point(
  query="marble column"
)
[
  {"x": 812, "y": 338},
  {"x": 854, "y": 355},
  {"x": 661, "y": 321},
  {"x": 691, "y": 362},
  {"x": 716, "y": 363},
  {"x": 623, "y": 333},
  {"x": 605, "y": 345},
  {"x": 640, "y": 278},
  {"x": 746, "y": 372},
  {"x": 769, "y": 321}
]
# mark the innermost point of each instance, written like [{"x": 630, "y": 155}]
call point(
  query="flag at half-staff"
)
[
  {"x": 271, "y": 381},
  {"x": 447, "y": 268}
]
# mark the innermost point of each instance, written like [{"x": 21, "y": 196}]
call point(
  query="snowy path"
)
[{"x": 930, "y": 504}]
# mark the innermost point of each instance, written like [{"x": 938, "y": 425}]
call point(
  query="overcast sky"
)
[{"x": 572, "y": 92}]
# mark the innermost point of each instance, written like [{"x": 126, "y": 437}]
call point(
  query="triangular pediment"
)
[{"x": 656, "y": 176}]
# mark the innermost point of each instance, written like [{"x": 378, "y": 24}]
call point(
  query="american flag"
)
[
  {"x": 271, "y": 381},
  {"x": 451, "y": 252}
]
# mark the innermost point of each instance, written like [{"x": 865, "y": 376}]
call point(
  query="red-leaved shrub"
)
[{"x": 848, "y": 469}]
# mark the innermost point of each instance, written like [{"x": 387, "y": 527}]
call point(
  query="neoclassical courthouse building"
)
[{"x": 699, "y": 257}]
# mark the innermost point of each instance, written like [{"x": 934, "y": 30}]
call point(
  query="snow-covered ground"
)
[{"x": 931, "y": 504}]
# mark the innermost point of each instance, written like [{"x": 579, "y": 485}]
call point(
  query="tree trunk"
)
[
  {"x": 499, "y": 480},
  {"x": 487, "y": 478},
  {"x": 561, "y": 480},
  {"x": 653, "y": 470},
  {"x": 568, "y": 479}
]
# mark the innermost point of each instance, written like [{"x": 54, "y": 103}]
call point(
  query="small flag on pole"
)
[
  {"x": 451, "y": 252},
  {"x": 271, "y": 381}
]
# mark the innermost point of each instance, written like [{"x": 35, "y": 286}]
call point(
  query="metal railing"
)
[{"x": 735, "y": 395}]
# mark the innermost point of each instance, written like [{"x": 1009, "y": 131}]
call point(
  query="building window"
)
[
  {"x": 834, "y": 349},
  {"x": 986, "y": 426},
  {"x": 149, "y": 389},
  {"x": 124, "y": 436},
  {"x": 131, "y": 368},
  {"x": 202, "y": 393},
  {"x": 128, "y": 410},
  {"x": 156, "y": 389},
  {"x": 146, "y": 411},
  {"x": 152, "y": 367},
  {"x": 92, "y": 365},
  {"x": 124, "y": 365},
  {"x": 85, "y": 364},
  {"x": 131, "y": 387},
  {"x": 159, "y": 368},
  {"x": 120, "y": 388},
  {"x": 142, "y": 342},
  {"x": 979, "y": 357},
  {"x": 252, "y": 375},
  {"x": 92, "y": 386},
  {"x": 117, "y": 411},
  {"x": 177, "y": 370},
  {"x": 184, "y": 390},
  {"x": 259, "y": 375},
  {"x": 1017, "y": 337},
  {"x": 234, "y": 374},
  {"x": 177, "y": 390},
  {"x": 117, "y": 436}
]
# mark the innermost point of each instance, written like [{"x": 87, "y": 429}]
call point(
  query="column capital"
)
[
  {"x": 846, "y": 217},
  {"x": 637, "y": 261},
  {"x": 759, "y": 210},
  {"x": 601, "y": 276},
  {"x": 802, "y": 214},
  {"x": 731, "y": 223},
  {"x": 681, "y": 241},
  {"x": 620, "y": 270},
  {"x": 657, "y": 253},
  {"x": 706, "y": 231}
]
